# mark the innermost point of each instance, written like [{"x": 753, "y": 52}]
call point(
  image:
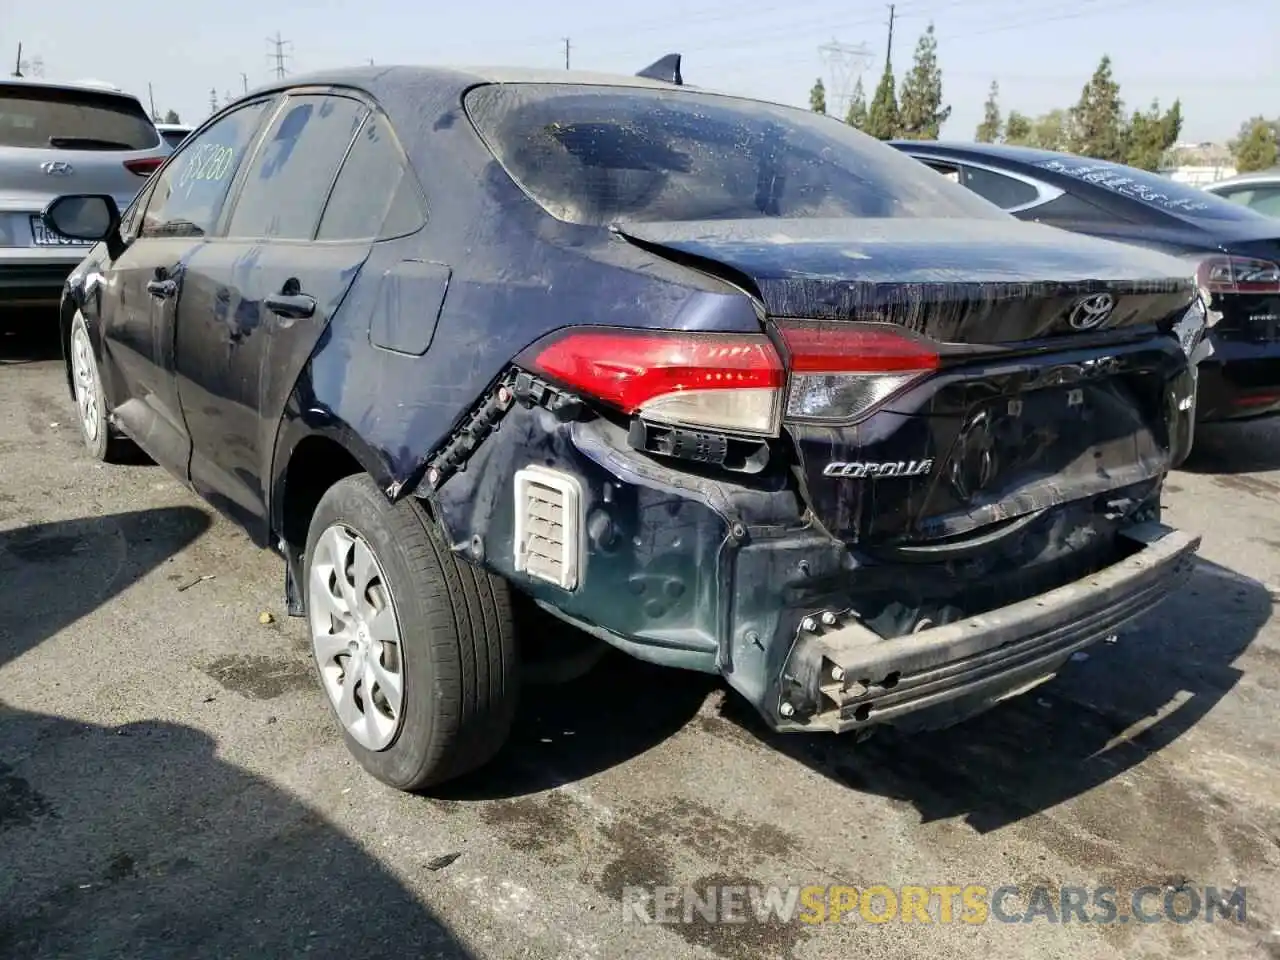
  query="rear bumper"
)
[
  {"x": 1240, "y": 381},
  {"x": 32, "y": 281},
  {"x": 841, "y": 676}
]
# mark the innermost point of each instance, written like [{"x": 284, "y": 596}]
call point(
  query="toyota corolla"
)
[{"x": 725, "y": 384}]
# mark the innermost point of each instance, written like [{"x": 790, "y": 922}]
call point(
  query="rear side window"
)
[
  {"x": 189, "y": 192},
  {"x": 374, "y": 195},
  {"x": 48, "y": 117},
  {"x": 293, "y": 170},
  {"x": 1265, "y": 199},
  {"x": 1156, "y": 191},
  {"x": 598, "y": 155},
  {"x": 1005, "y": 192}
]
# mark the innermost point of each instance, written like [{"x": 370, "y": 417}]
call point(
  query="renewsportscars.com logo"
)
[{"x": 966, "y": 904}]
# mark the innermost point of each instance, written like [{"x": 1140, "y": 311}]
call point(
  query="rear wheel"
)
[
  {"x": 91, "y": 406},
  {"x": 414, "y": 647}
]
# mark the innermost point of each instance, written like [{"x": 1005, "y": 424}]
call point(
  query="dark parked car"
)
[
  {"x": 725, "y": 384},
  {"x": 1234, "y": 251}
]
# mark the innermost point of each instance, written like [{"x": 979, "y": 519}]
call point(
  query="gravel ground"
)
[{"x": 171, "y": 783}]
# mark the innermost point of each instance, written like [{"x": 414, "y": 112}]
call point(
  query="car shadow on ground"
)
[
  {"x": 1228, "y": 448},
  {"x": 28, "y": 335},
  {"x": 1098, "y": 718},
  {"x": 1103, "y": 714},
  {"x": 568, "y": 732},
  {"x": 136, "y": 840}
]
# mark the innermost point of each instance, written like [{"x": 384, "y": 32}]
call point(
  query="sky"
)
[{"x": 1219, "y": 59}]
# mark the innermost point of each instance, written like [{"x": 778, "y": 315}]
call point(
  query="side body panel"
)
[
  {"x": 238, "y": 360},
  {"x": 510, "y": 274}
]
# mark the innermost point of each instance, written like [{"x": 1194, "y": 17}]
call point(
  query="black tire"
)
[
  {"x": 99, "y": 437},
  {"x": 460, "y": 664}
]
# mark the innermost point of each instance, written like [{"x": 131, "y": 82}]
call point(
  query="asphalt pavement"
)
[{"x": 172, "y": 785}]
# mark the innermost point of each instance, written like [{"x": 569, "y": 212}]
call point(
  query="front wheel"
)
[
  {"x": 91, "y": 405},
  {"x": 415, "y": 648}
]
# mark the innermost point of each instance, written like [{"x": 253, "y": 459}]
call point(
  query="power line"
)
[
  {"x": 279, "y": 55},
  {"x": 845, "y": 63},
  {"x": 888, "y": 56}
]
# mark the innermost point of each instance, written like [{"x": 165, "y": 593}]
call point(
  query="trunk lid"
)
[
  {"x": 955, "y": 281},
  {"x": 1035, "y": 400}
]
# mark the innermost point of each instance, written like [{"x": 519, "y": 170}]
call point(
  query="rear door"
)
[
  {"x": 258, "y": 297},
  {"x": 146, "y": 283}
]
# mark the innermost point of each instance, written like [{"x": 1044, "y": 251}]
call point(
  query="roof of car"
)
[
  {"x": 379, "y": 79},
  {"x": 97, "y": 86},
  {"x": 1257, "y": 176},
  {"x": 999, "y": 150}
]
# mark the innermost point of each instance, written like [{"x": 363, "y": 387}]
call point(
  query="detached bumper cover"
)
[{"x": 841, "y": 676}]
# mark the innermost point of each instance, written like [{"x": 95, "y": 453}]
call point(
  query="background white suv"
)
[{"x": 55, "y": 139}]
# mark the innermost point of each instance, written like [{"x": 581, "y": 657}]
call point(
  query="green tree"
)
[
  {"x": 171, "y": 117},
  {"x": 989, "y": 129},
  {"x": 818, "y": 97},
  {"x": 1017, "y": 129},
  {"x": 1097, "y": 127},
  {"x": 1255, "y": 149},
  {"x": 857, "y": 115},
  {"x": 1052, "y": 130},
  {"x": 923, "y": 114},
  {"x": 1151, "y": 134},
  {"x": 882, "y": 118}
]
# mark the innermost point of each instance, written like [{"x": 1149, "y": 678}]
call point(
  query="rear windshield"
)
[
  {"x": 601, "y": 155},
  {"x": 1150, "y": 188},
  {"x": 72, "y": 120}
]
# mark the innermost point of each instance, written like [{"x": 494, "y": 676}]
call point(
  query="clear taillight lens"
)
[
  {"x": 1231, "y": 274},
  {"x": 730, "y": 382},
  {"x": 845, "y": 370}
]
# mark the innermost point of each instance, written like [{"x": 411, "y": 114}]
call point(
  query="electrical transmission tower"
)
[
  {"x": 278, "y": 56},
  {"x": 844, "y": 64}
]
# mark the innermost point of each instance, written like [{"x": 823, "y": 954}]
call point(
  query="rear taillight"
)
[
  {"x": 1228, "y": 274},
  {"x": 730, "y": 382},
  {"x": 144, "y": 166},
  {"x": 842, "y": 371}
]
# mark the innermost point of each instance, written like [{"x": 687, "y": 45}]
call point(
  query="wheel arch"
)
[{"x": 309, "y": 458}]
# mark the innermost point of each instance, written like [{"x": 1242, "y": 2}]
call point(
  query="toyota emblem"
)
[
  {"x": 57, "y": 168},
  {"x": 1092, "y": 311}
]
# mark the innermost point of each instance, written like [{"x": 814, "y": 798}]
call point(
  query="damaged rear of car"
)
[
  {"x": 727, "y": 385},
  {"x": 924, "y": 471}
]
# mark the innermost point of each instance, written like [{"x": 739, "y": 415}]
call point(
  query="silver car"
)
[
  {"x": 1258, "y": 191},
  {"x": 174, "y": 133},
  {"x": 55, "y": 139}
]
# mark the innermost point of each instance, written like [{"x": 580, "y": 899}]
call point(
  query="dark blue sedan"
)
[{"x": 727, "y": 385}]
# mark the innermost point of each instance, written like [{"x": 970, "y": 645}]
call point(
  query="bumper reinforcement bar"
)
[{"x": 841, "y": 675}]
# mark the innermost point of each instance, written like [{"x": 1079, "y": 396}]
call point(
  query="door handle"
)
[
  {"x": 162, "y": 289},
  {"x": 295, "y": 306}
]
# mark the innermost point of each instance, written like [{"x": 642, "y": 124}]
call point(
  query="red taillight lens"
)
[
  {"x": 721, "y": 381},
  {"x": 144, "y": 166},
  {"x": 1238, "y": 275},
  {"x": 842, "y": 371}
]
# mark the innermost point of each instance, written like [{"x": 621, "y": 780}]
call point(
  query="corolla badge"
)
[
  {"x": 1092, "y": 311},
  {"x": 57, "y": 168},
  {"x": 863, "y": 468}
]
